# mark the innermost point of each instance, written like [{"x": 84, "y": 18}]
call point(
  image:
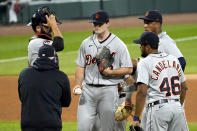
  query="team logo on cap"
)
[
  {"x": 97, "y": 16},
  {"x": 147, "y": 13}
]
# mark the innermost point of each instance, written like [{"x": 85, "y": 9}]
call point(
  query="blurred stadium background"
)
[{"x": 80, "y": 9}]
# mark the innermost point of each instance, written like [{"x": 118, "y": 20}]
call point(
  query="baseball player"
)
[
  {"x": 44, "y": 23},
  {"x": 100, "y": 93},
  {"x": 162, "y": 84},
  {"x": 153, "y": 23}
]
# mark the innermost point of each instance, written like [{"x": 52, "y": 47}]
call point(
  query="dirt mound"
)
[{"x": 11, "y": 106}]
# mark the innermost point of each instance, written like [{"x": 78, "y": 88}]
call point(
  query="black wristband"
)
[{"x": 136, "y": 118}]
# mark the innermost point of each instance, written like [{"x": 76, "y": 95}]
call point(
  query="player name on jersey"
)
[{"x": 164, "y": 65}]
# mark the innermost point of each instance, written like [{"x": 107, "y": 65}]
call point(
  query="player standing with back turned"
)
[
  {"x": 161, "y": 83},
  {"x": 100, "y": 93}
]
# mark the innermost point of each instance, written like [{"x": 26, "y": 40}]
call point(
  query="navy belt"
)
[
  {"x": 161, "y": 102},
  {"x": 99, "y": 85}
]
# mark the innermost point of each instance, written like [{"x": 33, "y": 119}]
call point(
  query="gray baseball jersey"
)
[
  {"x": 163, "y": 75},
  {"x": 88, "y": 51},
  {"x": 34, "y": 46},
  {"x": 168, "y": 45}
]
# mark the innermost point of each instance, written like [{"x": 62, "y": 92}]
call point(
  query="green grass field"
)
[
  {"x": 67, "y": 126},
  {"x": 16, "y": 46}
]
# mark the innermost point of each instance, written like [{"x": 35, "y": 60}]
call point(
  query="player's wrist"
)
[
  {"x": 54, "y": 26},
  {"x": 77, "y": 86},
  {"x": 136, "y": 119}
]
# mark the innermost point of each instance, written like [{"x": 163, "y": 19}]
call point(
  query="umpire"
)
[{"x": 43, "y": 91}]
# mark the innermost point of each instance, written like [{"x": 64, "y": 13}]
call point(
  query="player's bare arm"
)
[
  {"x": 79, "y": 76},
  {"x": 58, "y": 41},
  {"x": 118, "y": 72},
  {"x": 51, "y": 21},
  {"x": 140, "y": 101},
  {"x": 183, "y": 92}
]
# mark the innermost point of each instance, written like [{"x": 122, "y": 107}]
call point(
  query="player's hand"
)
[
  {"x": 77, "y": 90},
  {"x": 51, "y": 21},
  {"x": 107, "y": 71}
]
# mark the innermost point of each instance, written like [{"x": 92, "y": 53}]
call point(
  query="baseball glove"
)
[
  {"x": 123, "y": 112},
  {"x": 104, "y": 59},
  {"x": 135, "y": 128}
]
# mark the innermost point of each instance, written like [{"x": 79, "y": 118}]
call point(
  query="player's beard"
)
[
  {"x": 49, "y": 33},
  {"x": 144, "y": 54}
]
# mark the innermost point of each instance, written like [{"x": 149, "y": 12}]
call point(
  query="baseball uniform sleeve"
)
[
  {"x": 142, "y": 73},
  {"x": 32, "y": 52},
  {"x": 33, "y": 48},
  {"x": 125, "y": 60},
  {"x": 58, "y": 43},
  {"x": 182, "y": 77},
  {"x": 171, "y": 48},
  {"x": 81, "y": 56}
]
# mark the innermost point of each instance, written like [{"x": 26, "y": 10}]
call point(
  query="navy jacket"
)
[{"x": 43, "y": 90}]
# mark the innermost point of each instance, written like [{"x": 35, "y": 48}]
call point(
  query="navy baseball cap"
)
[
  {"x": 148, "y": 38},
  {"x": 153, "y": 16},
  {"x": 46, "y": 51},
  {"x": 100, "y": 17}
]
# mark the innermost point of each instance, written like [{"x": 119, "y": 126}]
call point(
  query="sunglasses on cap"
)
[{"x": 98, "y": 24}]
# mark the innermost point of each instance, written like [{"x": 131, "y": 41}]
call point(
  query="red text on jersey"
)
[
  {"x": 165, "y": 64},
  {"x": 92, "y": 60}
]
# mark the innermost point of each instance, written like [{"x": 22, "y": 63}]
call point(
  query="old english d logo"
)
[
  {"x": 147, "y": 13},
  {"x": 97, "y": 16}
]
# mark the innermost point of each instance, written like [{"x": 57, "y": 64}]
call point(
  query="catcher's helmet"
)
[{"x": 39, "y": 16}]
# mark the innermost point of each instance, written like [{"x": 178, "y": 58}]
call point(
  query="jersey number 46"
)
[{"x": 174, "y": 88}]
